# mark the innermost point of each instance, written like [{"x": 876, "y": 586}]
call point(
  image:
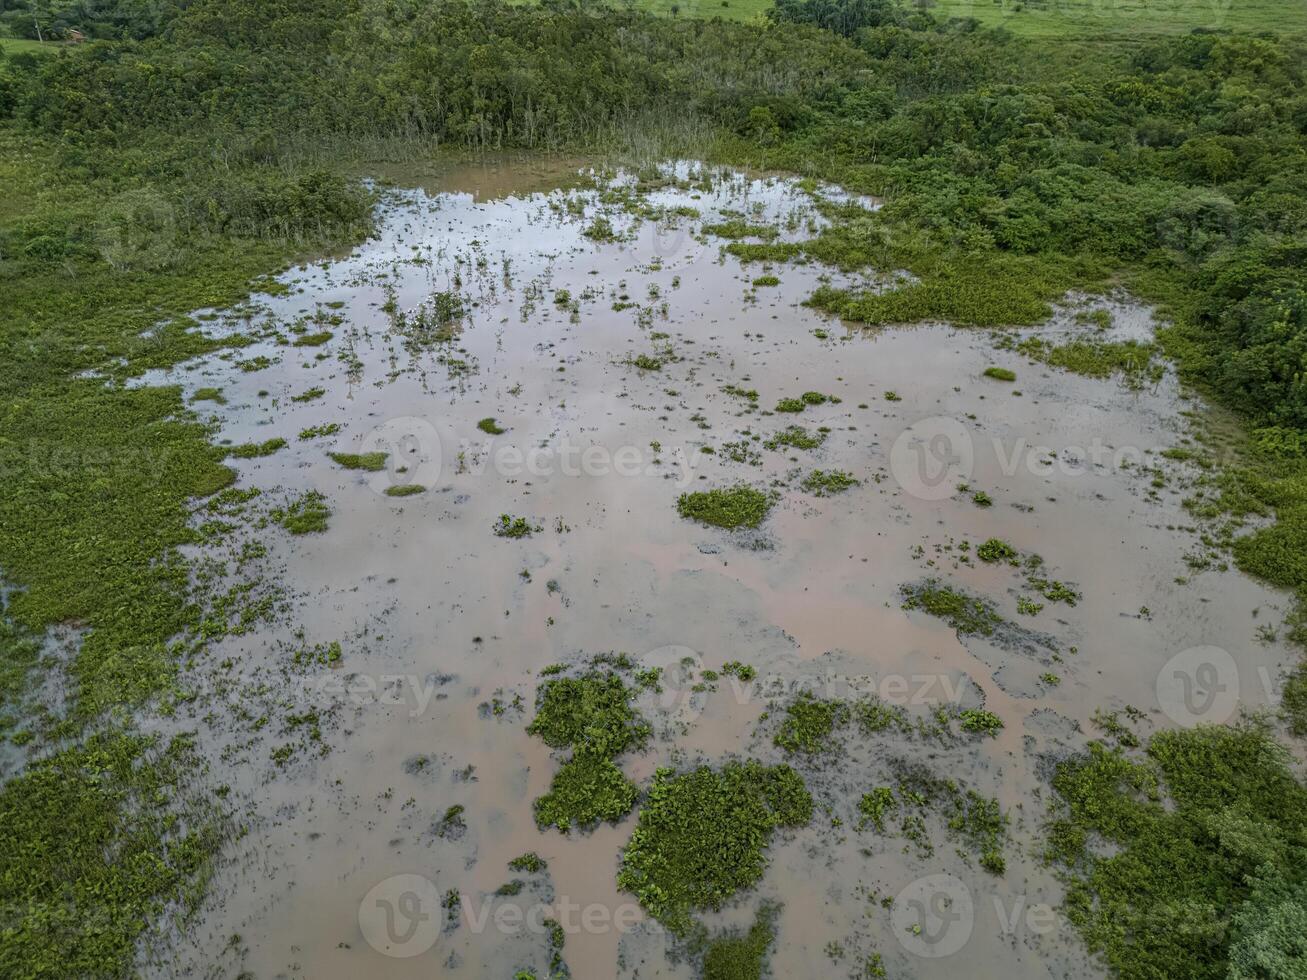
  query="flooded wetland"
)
[{"x": 614, "y": 612}]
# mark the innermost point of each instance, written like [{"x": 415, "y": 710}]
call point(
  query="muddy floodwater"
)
[{"x": 573, "y": 348}]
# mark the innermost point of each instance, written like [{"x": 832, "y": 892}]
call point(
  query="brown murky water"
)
[{"x": 441, "y": 623}]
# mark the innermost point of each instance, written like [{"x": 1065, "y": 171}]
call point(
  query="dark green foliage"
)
[
  {"x": 591, "y": 713},
  {"x": 509, "y": 526},
  {"x": 490, "y": 427},
  {"x": 1000, "y": 374},
  {"x": 531, "y": 863},
  {"x": 1293, "y": 701},
  {"x": 738, "y": 506},
  {"x": 1207, "y": 868},
  {"x": 585, "y": 790},
  {"x": 702, "y": 836},
  {"x": 405, "y": 490},
  {"x": 742, "y": 957},
  {"x": 996, "y": 550}
]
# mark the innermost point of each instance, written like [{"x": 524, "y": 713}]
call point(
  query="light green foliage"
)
[
  {"x": 996, "y": 550},
  {"x": 586, "y": 790},
  {"x": 742, "y": 957}
]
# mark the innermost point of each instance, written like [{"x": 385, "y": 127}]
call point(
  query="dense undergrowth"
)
[{"x": 145, "y": 179}]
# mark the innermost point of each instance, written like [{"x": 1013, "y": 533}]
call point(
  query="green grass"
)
[
  {"x": 591, "y": 713},
  {"x": 16, "y": 45},
  {"x": 827, "y": 483},
  {"x": 809, "y": 723},
  {"x": 742, "y": 956},
  {"x": 965, "y": 613}
]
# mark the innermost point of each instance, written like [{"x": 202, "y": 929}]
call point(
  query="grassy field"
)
[
  {"x": 1049, "y": 18},
  {"x": 14, "y": 45}
]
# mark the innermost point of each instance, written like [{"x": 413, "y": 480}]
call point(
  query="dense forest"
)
[{"x": 187, "y": 149}]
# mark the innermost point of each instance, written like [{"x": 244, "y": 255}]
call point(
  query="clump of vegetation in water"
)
[
  {"x": 744, "y": 672},
  {"x": 646, "y": 362},
  {"x": 490, "y": 427},
  {"x": 996, "y": 550},
  {"x": 305, "y": 515},
  {"x": 600, "y": 230},
  {"x": 309, "y": 395},
  {"x": 742, "y": 956},
  {"x": 586, "y": 790},
  {"x": 209, "y": 395},
  {"x": 592, "y": 715},
  {"x": 767, "y": 281},
  {"x": 795, "y": 437},
  {"x": 825, "y": 483},
  {"x": 514, "y": 527},
  {"x": 1208, "y": 826},
  {"x": 969, "y": 615},
  {"x": 748, "y": 394},
  {"x": 1000, "y": 374},
  {"x": 732, "y": 507},
  {"x": 254, "y": 450},
  {"x": 809, "y": 723},
  {"x": 739, "y": 229},
  {"x": 530, "y": 862},
  {"x": 982, "y": 499},
  {"x": 312, "y": 339},
  {"x": 980, "y": 721},
  {"x": 703, "y": 834},
  {"x": 371, "y": 462},
  {"x": 874, "y": 806},
  {"x": 318, "y": 431},
  {"x": 405, "y": 490}
]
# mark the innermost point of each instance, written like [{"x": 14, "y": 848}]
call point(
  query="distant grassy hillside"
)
[
  {"x": 15, "y": 45},
  {"x": 1047, "y": 18}
]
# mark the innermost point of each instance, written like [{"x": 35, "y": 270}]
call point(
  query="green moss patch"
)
[{"x": 826, "y": 483}]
